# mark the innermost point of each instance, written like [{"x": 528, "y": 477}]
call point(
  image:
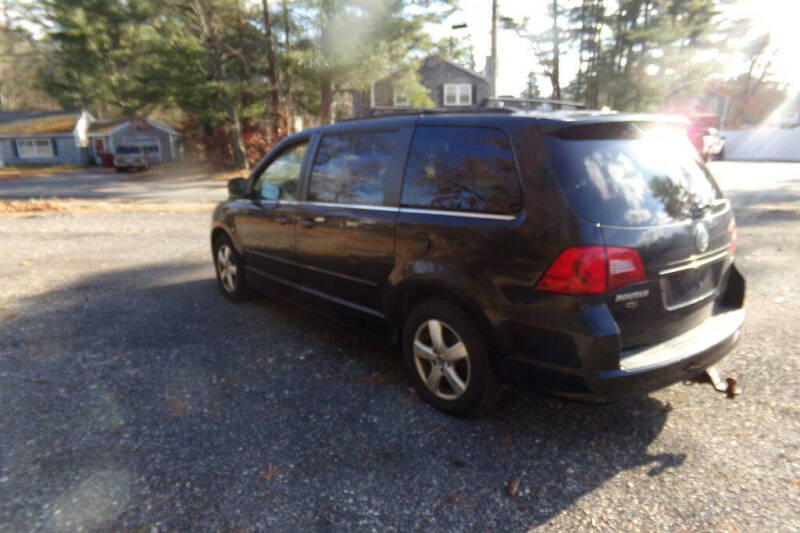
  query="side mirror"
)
[
  {"x": 237, "y": 188},
  {"x": 270, "y": 192}
]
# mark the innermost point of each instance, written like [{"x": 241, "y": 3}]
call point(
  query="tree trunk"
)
[
  {"x": 493, "y": 78},
  {"x": 326, "y": 106},
  {"x": 287, "y": 75},
  {"x": 272, "y": 73},
  {"x": 326, "y": 13},
  {"x": 556, "y": 59}
]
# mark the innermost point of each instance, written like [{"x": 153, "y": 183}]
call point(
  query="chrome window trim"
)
[
  {"x": 467, "y": 214},
  {"x": 412, "y": 210},
  {"x": 354, "y": 206}
]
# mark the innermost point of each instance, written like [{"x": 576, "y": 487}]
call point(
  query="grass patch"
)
[
  {"x": 14, "y": 173},
  {"x": 33, "y": 207},
  {"x": 186, "y": 171}
]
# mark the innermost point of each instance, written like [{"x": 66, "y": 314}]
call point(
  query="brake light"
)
[
  {"x": 582, "y": 270},
  {"x": 734, "y": 236}
]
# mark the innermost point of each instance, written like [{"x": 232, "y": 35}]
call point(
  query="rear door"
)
[
  {"x": 345, "y": 231},
  {"x": 645, "y": 187}
]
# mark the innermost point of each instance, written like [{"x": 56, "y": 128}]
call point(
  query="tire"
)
[
  {"x": 470, "y": 363},
  {"x": 230, "y": 270}
]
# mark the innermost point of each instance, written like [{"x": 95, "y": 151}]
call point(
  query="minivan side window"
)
[
  {"x": 352, "y": 168},
  {"x": 461, "y": 169},
  {"x": 283, "y": 171}
]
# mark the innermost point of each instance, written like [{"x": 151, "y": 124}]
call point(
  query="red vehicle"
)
[{"x": 704, "y": 135}]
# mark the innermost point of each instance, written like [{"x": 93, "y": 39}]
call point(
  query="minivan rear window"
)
[
  {"x": 461, "y": 169},
  {"x": 630, "y": 174}
]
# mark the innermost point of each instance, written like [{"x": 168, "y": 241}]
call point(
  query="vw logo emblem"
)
[{"x": 701, "y": 237}]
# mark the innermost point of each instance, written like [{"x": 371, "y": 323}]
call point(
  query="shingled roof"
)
[{"x": 38, "y": 122}]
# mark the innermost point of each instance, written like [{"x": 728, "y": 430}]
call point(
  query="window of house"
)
[
  {"x": 461, "y": 169},
  {"x": 352, "y": 168},
  {"x": 283, "y": 171},
  {"x": 457, "y": 94},
  {"x": 33, "y": 148},
  {"x": 401, "y": 98}
]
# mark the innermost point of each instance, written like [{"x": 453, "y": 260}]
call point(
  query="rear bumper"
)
[
  {"x": 644, "y": 370},
  {"x": 130, "y": 164}
]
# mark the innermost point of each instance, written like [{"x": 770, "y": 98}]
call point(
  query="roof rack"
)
[
  {"x": 390, "y": 112},
  {"x": 527, "y": 104}
]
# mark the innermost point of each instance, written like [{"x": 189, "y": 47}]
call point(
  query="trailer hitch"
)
[{"x": 729, "y": 386}]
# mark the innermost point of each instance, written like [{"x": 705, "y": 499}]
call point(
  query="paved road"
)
[
  {"x": 102, "y": 183},
  {"x": 753, "y": 185},
  {"x": 134, "y": 397}
]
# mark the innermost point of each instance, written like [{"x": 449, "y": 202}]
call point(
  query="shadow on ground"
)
[{"x": 139, "y": 398}]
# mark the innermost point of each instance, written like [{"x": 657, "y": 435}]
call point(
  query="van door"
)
[
  {"x": 266, "y": 224},
  {"x": 345, "y": 231}
]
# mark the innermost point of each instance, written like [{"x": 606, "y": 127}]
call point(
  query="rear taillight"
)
[
  {"x": 733, "y": 234},
  {"x": 592, "y": 270},
  {"x": 624, "y": 267}
]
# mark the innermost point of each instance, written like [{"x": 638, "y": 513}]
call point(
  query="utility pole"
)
[
  {"x": 556, "y": 58},
  {"x": 493, "y": 78}
]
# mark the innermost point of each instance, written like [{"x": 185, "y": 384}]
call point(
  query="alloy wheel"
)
[
  {"x": 226, "y": 267},
  {"x": 441, "y": 359}
]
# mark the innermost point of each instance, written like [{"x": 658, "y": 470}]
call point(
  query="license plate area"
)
[{"x": 689, "y": 286}]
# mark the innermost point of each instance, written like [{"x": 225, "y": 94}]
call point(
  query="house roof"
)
[
  {"x": 105, "y": 125},
  {"x": 38, "y": 122},
  {"x": 456, "y": 65},
  {"x": 449, "y": 62}
]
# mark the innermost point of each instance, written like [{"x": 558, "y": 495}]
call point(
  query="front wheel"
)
[
  {"x": 230, "y": 270},
  {"x": 447, "y": 361}
]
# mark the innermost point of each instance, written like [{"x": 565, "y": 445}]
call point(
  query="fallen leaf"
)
[
  {"x": 451, "y": 499},
  {"x": 178, "y": 406},
  {"x": 377, "y": 379},
  {"x": 268, "y": 474},
  {"x": 512, "y": 487}
]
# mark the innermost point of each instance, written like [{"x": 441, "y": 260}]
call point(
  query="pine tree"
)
[{"x": 531, "y": 87}]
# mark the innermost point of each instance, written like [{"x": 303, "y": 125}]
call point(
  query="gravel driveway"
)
[{"x": 133, "y": 396}]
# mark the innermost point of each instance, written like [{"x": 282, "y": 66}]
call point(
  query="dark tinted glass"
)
[
  {"x": 128, "y": 150},
  {"x": 352, "y": 168},
  {"x": 461, "y": 168},
  {"x": 283, "y": 171},
  {"x": 631, "y": 174}
]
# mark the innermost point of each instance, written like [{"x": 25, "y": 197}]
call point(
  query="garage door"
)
[{"x": 150, "y": 145}]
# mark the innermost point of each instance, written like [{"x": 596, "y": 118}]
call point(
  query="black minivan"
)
[{"x": 583, "y": 253}]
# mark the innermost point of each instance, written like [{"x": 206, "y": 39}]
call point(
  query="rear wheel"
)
[
  {"x": 447, "y": 360},
  {"x": 230, "y": 271}
]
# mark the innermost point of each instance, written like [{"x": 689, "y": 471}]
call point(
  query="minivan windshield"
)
[
  {"x": 125, "y": 150},
  {"x": 631, "y": 174}
]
